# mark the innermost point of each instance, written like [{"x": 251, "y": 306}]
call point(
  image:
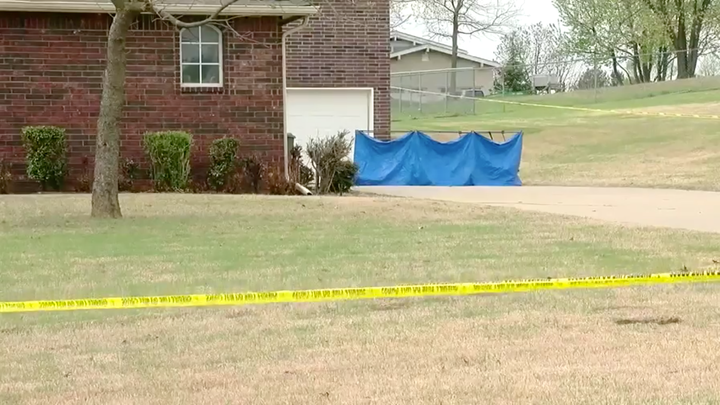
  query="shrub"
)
[
  {"x": 328, "y": 156},
  {"x": 278, "y": 184},
  {"x": 343, "y": 177},
  {"x": 223, "y": 156},
  {"x": 169, "y": 154},
  {"x": 46, "y": 159},
  {"x": 197, "y": 187},
  {"x": 85, "y": 180},
  {"x": 129, "y": 172},
  {"x": 5, "y": 177},
  {"x": 252, "y": 173},
  {"x": 236, "y": 183},
  {"x": 299, "y": 172}
]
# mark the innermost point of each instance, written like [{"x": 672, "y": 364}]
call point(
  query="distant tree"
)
[
  {"x": 545, "y": 51},
  {"x": 651, "y": 34},
  {"x": 450, "y": 19},
  {"x": 710, "y": 66},
  {"x": 689, "y": 25},
  {"x": 592, "y": 78},
  {"x": 514, "y": 74}
]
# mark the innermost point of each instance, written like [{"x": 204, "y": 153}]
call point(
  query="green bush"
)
[
  {"x": 223, "y": 155},
  {"x": 46, "y": 159},
  {"x": 169, "y": 154},
  {"x": 344, "y": 177}
]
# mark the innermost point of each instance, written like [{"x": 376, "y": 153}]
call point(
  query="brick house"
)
[{"x": 212, "y": 81}]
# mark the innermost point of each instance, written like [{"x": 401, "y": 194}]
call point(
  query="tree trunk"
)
[
  {"x": 695, "y": 31},
  {"x": 616, "y": 75},
  {"x": 681, "y": 46},
  {"x": 662, "y": 66},
  {"x": 647, "y": 72},
  {"x": 105, "y": 203},
  {"x": 686, "y": 53}
]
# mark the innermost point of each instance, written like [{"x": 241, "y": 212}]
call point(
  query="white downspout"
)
[{"x": 286, "y": 159}]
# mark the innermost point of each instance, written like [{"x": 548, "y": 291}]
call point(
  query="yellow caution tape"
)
[
  {"x": 598, "y": 110},
  {"x": 563, "y": 107},
  {"x": 336, "y": 294}
]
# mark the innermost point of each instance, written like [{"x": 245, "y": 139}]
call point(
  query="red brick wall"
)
[
  {"x": 346, "y": 45},
  {"x": 51, "y": 68}
]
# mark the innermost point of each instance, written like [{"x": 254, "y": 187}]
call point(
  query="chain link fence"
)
[
  {"x": 436, "y": 92},
  {"x": 582, "y": 81}
]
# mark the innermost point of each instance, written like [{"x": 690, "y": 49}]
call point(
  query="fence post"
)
[
  {"x": 595, "y": 79},
  {"x": 401, "y": 90},
  {"x": 447, "y": 90},
  {"x": 420, "y": 93},
  {"x": 503, "y": 91},
  {"x": 474, "y": 82}
]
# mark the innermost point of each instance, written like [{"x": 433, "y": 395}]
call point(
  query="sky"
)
[{"x": 532, "y": 11}]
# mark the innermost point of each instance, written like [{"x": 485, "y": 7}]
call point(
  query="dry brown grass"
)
[
  {"x": 691, "y": 108},
  {"x": 578, "y": 148},
  {"x": 562, "y": 347},
  {"x": 557, "y": 348}
]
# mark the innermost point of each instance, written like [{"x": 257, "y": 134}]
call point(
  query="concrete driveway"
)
[{"x": 693, "y": 210}]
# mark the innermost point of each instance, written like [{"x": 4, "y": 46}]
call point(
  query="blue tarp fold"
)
[{"x": 417, "y": 160}]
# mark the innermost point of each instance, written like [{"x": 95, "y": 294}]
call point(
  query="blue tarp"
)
[{"x": 417, "y": 160}]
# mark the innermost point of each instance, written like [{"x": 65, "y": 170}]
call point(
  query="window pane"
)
[
  {"x": 211, "y": 74},
  {"x": 191, "y": 74},
  {"x": 191, "y": 35},
  {"x": 210, "y": 54},
  {"x": 209, "y": 35},
  {"x": 191, "y": 53}
]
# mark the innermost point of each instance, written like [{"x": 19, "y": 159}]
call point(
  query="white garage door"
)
[{"x": 320, "y": 112}]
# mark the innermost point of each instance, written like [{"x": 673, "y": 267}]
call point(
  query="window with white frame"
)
[{"x": 201, "y": 57}]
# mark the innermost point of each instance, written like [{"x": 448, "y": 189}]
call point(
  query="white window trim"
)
[{"x": 220, "y": 60}]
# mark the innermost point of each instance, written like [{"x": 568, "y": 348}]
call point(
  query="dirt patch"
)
[{"x": 649, "y": 321}]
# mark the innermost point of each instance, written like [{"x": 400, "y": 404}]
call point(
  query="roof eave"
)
[
  {"x": 425, "y": 48},
  {"x": 420, "y": 41},
  {"x": 40, "y": 6}
]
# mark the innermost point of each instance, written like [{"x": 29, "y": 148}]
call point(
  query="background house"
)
[
  {"x": 213, "y": 82},
  {"x": 421, "y": 64}
]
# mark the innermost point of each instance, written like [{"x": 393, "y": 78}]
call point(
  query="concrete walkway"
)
[{"x": 693, "y": 210}]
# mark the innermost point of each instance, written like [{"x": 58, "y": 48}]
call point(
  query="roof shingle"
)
[{"x": 240, "y": 7}]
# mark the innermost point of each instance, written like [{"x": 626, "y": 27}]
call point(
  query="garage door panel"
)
[{"x": 325, "y": 112}]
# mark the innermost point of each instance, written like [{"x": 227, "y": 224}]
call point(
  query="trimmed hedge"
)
[
  {"x": 169, "y": 153},
  {"x": 46, "y": 155}
]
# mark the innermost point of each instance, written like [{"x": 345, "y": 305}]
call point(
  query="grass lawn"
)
[
  {"x": 638, "y": 345},
  {"x": 568, "y": 147}
]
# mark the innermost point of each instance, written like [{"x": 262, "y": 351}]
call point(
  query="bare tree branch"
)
[
  {"x": 448, "y": 18},
  {"x": 153, "y": 5},
  {"x": 400, "y": 12}
]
